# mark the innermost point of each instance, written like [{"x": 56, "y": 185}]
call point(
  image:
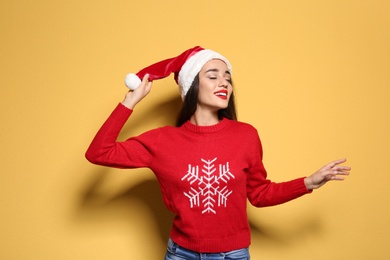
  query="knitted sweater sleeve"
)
[
  {"x": 105, "y": 150},
  {"x": 261, "y": 191}
]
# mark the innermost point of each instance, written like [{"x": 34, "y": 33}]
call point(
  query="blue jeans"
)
[{"x": 176, "y": 252}]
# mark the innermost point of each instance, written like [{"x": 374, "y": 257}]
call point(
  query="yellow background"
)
[{"x": 311, "y": 76}]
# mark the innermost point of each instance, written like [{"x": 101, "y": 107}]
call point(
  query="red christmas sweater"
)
[{"x": 206, "y": 174}]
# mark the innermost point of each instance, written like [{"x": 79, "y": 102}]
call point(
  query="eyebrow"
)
[{"x": 216, "y": 70}]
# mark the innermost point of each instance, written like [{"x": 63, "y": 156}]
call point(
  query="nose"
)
[{"x": 223, "y": 83}]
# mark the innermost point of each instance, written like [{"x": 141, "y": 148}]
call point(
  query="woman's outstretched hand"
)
[
  {"x": 133, "y": 97},
  {"x": 330, "y": 172}
]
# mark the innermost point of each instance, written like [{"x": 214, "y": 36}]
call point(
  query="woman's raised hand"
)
[
  {"x": 134, "y": 96},
  {"x": 330, "y": 172}
]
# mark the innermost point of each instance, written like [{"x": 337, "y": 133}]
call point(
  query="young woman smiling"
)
[{"x": 209, "y": 165}]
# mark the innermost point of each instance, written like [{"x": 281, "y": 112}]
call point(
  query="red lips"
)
[{"x": 223, "y": 94}]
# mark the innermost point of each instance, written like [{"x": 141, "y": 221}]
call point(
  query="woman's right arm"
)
[{"x": 104, "y": 148}]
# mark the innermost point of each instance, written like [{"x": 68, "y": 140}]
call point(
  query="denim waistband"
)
[{"x": 176, "y": 252}]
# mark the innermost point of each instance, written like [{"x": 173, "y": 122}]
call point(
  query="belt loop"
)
[{"x": 172, "y": 245}]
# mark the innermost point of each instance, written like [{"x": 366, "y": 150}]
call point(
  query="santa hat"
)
[{"x": 185, "y": 67}]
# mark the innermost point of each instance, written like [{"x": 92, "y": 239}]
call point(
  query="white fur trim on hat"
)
[{"x": 192, "y": 67}]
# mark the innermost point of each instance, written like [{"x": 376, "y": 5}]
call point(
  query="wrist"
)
[
  {"x": 128, "y": 103},
  {"x": 308, "y": 183}
]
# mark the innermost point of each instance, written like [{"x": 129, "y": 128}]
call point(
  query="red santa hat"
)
[{"x": 185, "y": 68}]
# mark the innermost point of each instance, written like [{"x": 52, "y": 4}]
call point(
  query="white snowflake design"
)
[{"x": 207, "y": 186}]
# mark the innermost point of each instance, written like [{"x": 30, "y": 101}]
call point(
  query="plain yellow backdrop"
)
[{"x": 311, "y": 76}]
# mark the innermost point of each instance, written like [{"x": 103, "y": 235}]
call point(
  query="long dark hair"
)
[{"x": 191, "y": 101}]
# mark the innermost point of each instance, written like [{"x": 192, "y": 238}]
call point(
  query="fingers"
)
[
  {"x": 336, "y": 162},
  {"x": 145, "y": 79},
  {"x": 337, "y": 178},
  {"x": 146, "y": 84},
  {"x": 341, "y": 169},
  {"x": 337, "y": 171}
]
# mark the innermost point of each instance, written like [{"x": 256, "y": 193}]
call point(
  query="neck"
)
[{"x": 204, "y": 118}]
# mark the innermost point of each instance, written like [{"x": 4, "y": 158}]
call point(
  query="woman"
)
[{"x": 208, "y": 165}]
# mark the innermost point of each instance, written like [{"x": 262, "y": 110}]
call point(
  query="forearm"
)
[
  {"x": 271, "y": 194},
  {"x": 105, "y": 139}
]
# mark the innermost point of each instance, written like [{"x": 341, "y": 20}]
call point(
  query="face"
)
[{"x": 215, "y": 86}]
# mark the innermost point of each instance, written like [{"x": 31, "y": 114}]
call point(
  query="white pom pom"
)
[{"x": 132, "y": 81}]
